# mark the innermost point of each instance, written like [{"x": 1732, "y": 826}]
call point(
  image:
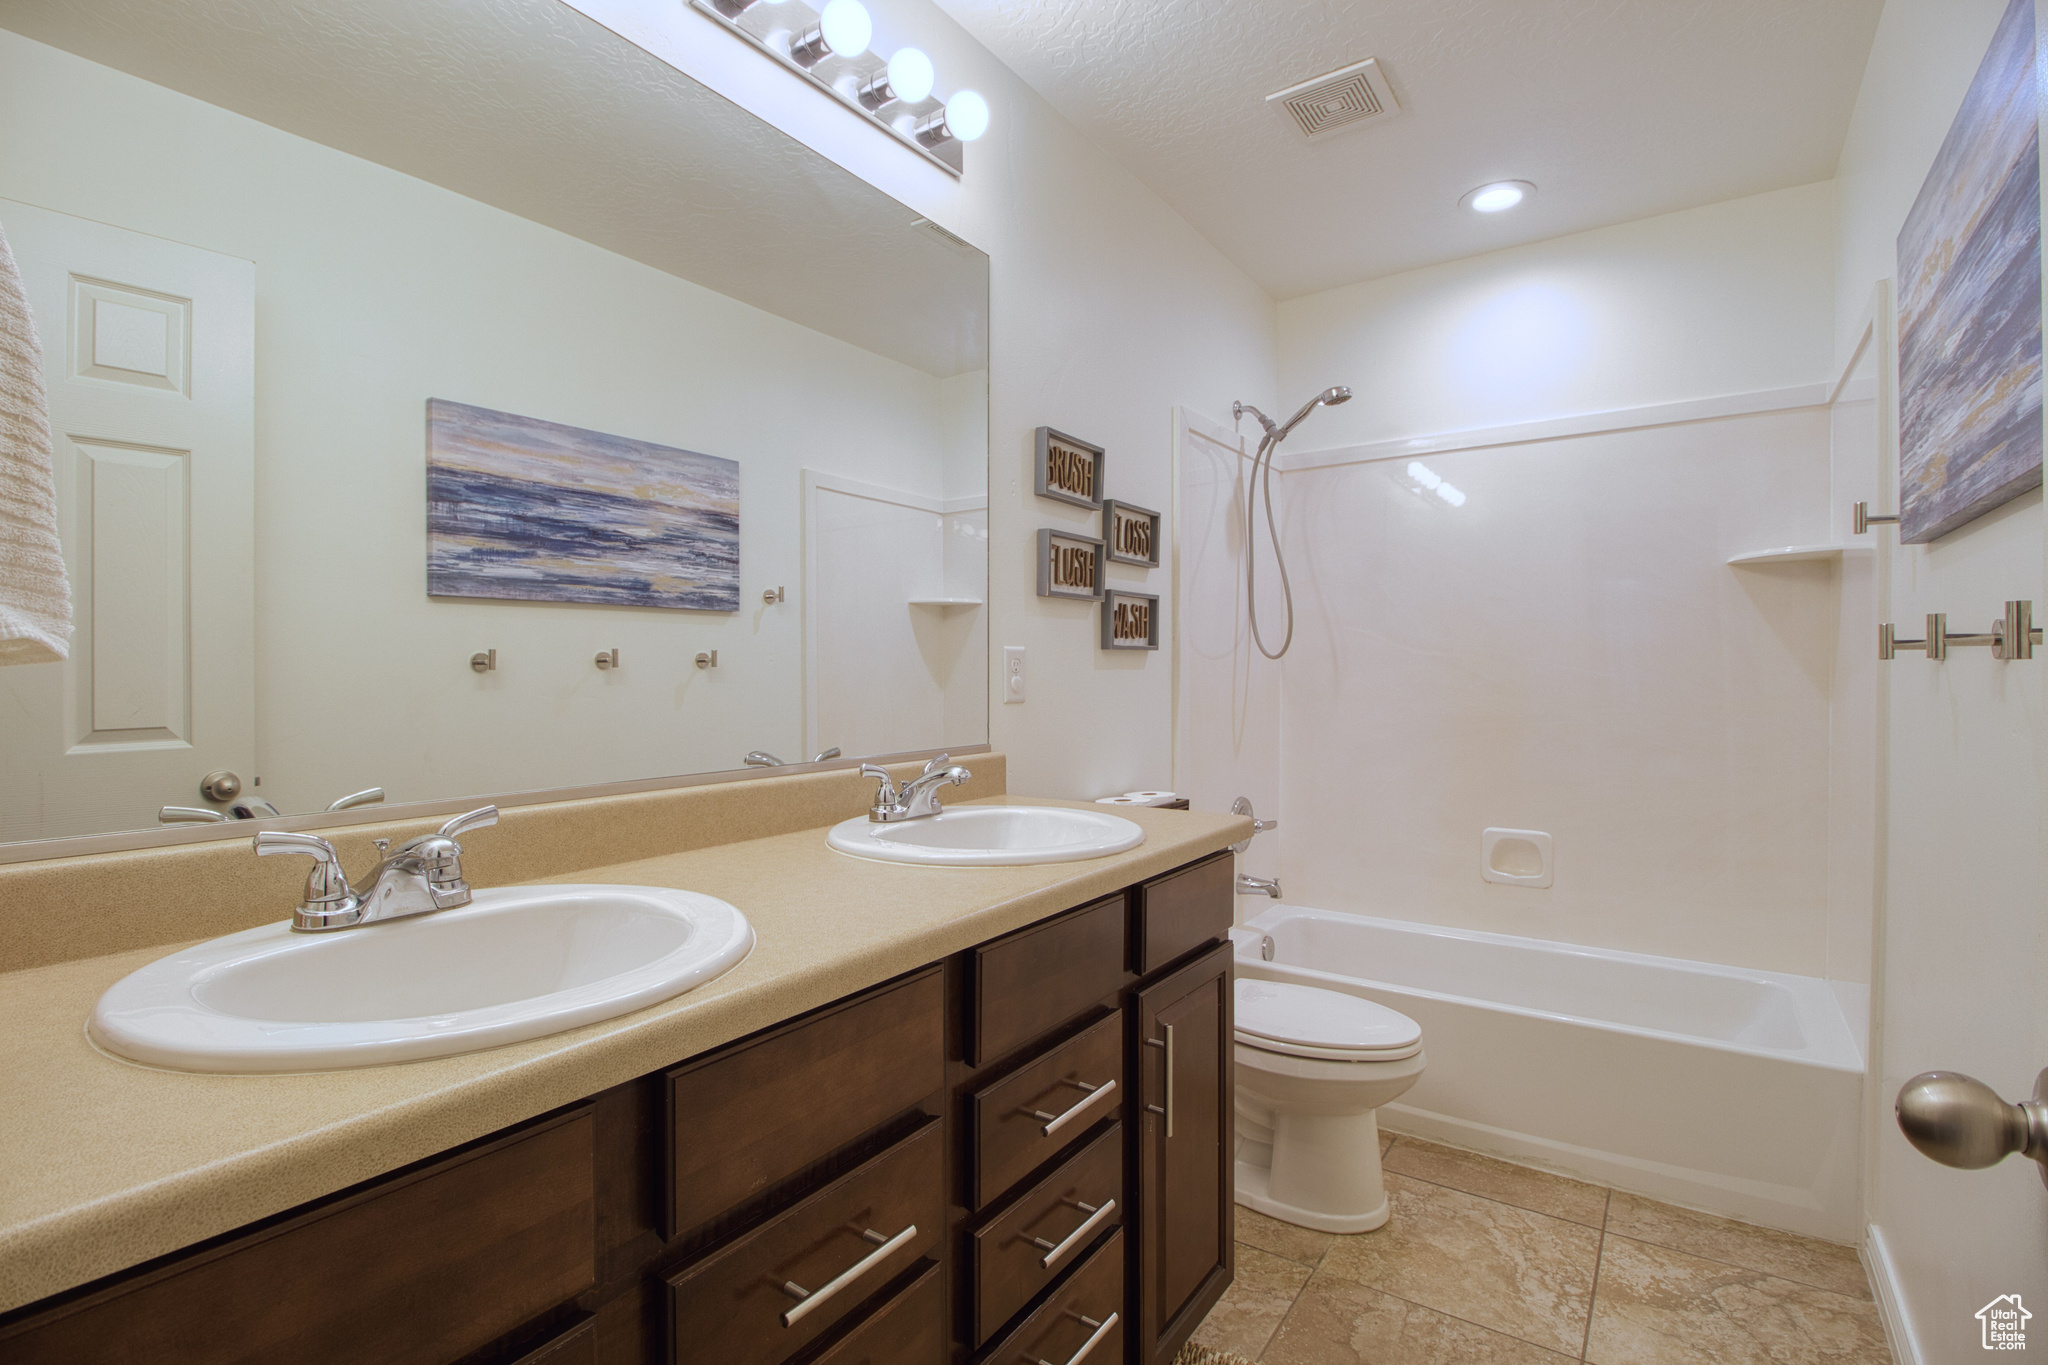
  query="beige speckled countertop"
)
[{"x": 104, "y": 1164}]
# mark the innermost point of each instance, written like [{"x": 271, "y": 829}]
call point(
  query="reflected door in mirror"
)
[{"x": 149, "y": 359}]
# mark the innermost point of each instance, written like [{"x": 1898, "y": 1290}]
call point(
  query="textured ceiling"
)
[
  {"x": 529, "y": 106},
  {"x": 1616, "y": 109}
]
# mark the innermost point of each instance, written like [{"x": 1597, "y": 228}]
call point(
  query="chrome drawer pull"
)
[
  {"x": 1054, "y": 1251},
  {"x": 1153, "y": 1108},
  {"x": 1102, "y": 1330},
  {"x": 810, "y": 1299},
  {"x": 1055, "y": 1122}
]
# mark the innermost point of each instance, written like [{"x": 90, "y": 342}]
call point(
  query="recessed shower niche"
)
[{"x": 1515, "y": 857}]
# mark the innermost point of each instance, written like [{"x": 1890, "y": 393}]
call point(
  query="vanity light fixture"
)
[
  {"x": 965, "y": 117},
  {"x": 843, "y": 30},
  {"x": 830, "y": 48},
  {"x": 1499, "y": 196},
  {"x": 908, "y": 77}
]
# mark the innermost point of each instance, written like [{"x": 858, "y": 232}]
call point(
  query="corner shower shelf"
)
[
  {"x": 1793, "y": 554},
  {"x": 945, "y": 602}
]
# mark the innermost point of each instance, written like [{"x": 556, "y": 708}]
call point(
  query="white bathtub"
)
[{"x": 1721, "y": 1088}]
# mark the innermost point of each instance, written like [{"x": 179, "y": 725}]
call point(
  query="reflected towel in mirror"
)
[{"x": 35, "y": 596}]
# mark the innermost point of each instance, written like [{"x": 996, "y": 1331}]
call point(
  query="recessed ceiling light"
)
[{"x": 1498, "y": 197}]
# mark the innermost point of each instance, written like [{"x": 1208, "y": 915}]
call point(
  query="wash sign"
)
[{"x": 2005, "y": 1323}]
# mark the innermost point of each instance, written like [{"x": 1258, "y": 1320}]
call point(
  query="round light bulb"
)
[
  {"x": 1498, "y": 197},
  {"x": 847, "y": 27},
  {"x": 967, "y": 115},
  {"x": 911, "y": 75}
]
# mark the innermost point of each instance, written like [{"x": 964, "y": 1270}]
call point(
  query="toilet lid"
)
[{"x": 1282, "y": 1014}]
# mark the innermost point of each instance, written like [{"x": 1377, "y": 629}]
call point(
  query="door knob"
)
[
  {"x": 1960, "y": 1121},
  {"x": 220, "y": 786}
]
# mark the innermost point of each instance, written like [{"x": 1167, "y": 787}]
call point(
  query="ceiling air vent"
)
[{"x": 1342, "y": 99}]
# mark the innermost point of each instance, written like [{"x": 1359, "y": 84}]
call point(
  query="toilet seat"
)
[{"x": 1308, "y": 1021}]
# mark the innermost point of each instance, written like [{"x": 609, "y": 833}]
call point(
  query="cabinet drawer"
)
[
  {"x": 1041, "y": 1236},
  {"x": 1081, "y": 1322},
  {"x": 575, "y": 1346},
  {"x": 423, "y": 1269},
  {"x": 908, "y": 1330},
  {"x": 743, "y": 1120},
  {"x": 1184, "y": 910},
  {"x": 1039, "y": 978},
  {"x": 1024, "y": 1119},
  {"x": 739, "y": 1304}
]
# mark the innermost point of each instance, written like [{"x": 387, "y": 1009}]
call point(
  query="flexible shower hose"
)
[{"x": 1263, "y": 460}]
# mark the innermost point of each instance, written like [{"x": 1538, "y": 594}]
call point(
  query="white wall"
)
[
  {"x": 1963, "y": 980},
  {"x": 1727, "y": 299},
  {"x": 1567, "y": 650},
  {"x": 376, "y": 291},
  {"x": 1228, "y": 696},
  {"x": 1107, "y": 310}
]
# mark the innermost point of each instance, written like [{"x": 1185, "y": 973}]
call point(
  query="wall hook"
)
[
  {"x": 608, "y": 658},
  {"x": 2012, "y": 636},
  {"x": 771, "y": 595},
  {"x": 1864, "y": 518},
  {"x": 708, "y": 659},
  {"x": 484, "y": 661}
]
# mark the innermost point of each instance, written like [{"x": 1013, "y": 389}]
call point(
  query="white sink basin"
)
[
  {"x": 989, "y": 836},
  {"x": 515, "y": 963}
]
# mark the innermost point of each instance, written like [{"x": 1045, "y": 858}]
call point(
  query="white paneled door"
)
[{"x": 149, "y": 355}]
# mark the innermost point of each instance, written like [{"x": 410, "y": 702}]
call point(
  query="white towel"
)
[{"x": 35, "y": 596}]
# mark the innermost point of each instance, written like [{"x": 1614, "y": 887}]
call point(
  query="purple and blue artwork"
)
[
  {"x": 1970, "y": 302},
  {"x": 541, "y": 512}
]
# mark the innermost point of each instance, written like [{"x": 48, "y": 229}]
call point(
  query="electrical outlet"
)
[{"x": 1013, "y": 673}]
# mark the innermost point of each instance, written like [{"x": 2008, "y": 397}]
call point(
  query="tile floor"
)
[{"x": 1486, "y": 1263}]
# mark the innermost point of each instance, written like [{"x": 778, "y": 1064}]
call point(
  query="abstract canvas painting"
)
[
  {"x": 1970, "y": 303},
  {"x": 522, "y": 508}
]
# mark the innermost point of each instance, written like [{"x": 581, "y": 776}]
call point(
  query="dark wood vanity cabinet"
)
[
  {"x": 1019, "y": 1154},
  {"x": 1183, "y": 1183}
]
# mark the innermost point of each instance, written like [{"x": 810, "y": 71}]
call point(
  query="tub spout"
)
[{"x": 1258, "y": 886}]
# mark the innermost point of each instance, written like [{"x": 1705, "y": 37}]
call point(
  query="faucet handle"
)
[
  {"x": 327, "y": 889},
  {"x": 188, "y": 815},
  {"x": 271, "y": 841},
  {"x": 936, "y": 765},
  {"x": 887, "y": 795},
  {"x": 463, "y": 824}
]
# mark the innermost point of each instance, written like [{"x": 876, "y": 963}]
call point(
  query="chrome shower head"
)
[{"x": 1329, "y": 397}]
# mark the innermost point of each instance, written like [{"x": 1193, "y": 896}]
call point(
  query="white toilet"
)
[{"x": 1313, "y": 1066}]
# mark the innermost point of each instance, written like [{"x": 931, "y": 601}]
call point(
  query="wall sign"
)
[
  {"x": 1069, "y": 469},
  {"x": 1069, "y": 566},
  {"x": 1131, "y": 533},
  {"x": 1130, "y": 620}
]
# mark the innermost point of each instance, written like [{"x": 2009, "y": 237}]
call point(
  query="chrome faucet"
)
[
  {"x": 424, "y": 875},
  {"x": 1253, "y": 886},
  {"x": 918, "y": 797}
]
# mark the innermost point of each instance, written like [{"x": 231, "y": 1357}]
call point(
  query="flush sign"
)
[
  {"x": 1130, "y": 620},
  {"x": 1069, "y": 566},
  {"x": 1069, "y": 469},
  {"x": 1132, "y": 533}
]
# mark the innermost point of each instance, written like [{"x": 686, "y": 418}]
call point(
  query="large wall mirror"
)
[{"x": 407, "y": 358}]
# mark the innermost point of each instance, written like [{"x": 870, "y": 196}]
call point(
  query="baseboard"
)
[
  {"x": 1785, "y": 1207},
  {"x": 1891, "y": 1304}
]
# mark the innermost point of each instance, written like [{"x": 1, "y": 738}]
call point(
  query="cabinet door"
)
[{"x": 1184, "y": 1176}]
